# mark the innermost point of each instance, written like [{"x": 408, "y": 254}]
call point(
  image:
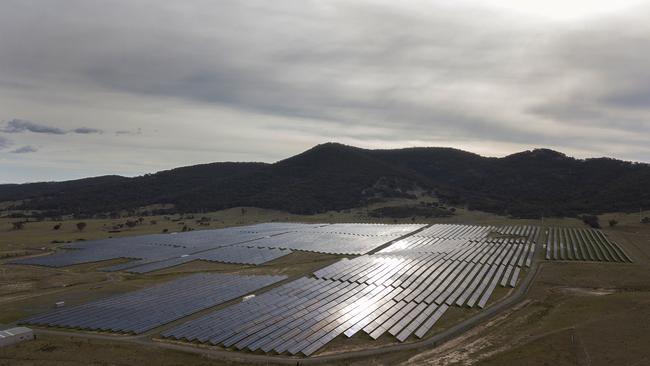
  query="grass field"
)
[{"x": 586, "y": 313}]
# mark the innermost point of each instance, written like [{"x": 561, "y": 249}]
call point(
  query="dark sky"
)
[{"x": 130, "y": 87}]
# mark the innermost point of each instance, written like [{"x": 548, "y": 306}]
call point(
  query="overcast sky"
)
[{"x": 130, "y": 87}]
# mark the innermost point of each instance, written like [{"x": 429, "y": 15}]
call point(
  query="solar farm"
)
[{"x": 388, "y": 284}]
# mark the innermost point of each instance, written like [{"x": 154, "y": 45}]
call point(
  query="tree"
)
[
  {"x": 613, "y": 223},
  {"x": 591, "y": 220},
  {"x": 81, "y": 226}
]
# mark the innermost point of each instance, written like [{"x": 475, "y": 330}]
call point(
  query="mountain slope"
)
[{"x": 333, "y": 176}]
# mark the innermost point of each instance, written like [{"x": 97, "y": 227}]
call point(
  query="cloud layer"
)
[
  {"x": 19, "y": 125},
  {"x": 261, "y": 80}
]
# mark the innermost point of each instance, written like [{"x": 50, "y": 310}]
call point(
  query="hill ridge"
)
[{"x": 333, "y": 176}]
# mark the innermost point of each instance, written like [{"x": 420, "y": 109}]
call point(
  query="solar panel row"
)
[
  {"x": 370, "y": 229},
  {"x": 583, "y": 245},
  {"x": 349, "y": 239},
  {"x": 454, "y": 231},
  {"x": 232, "y": 254},
  {"x": 142, "y": 310}
]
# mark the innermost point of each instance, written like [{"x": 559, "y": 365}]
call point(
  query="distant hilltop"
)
[{"x": 333, "y": 176}]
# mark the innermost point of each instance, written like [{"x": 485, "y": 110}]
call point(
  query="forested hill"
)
[{"x": 334, "y": 176}]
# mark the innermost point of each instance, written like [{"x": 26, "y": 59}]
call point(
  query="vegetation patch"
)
[{"x": 410, "y": 211}]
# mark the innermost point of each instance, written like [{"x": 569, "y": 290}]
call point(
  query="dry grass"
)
[{"x": 72, "y": 351}]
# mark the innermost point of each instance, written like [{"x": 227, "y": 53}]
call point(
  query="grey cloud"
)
[
  {"x": 87, "y": 130},
  {"x": 601, "y": 75},
  {"x": 24, "y": 150},
  {"x": 5, "y": 142},
  {"x": 637, "y": 97},
  {"x": 20, "y": 125},
  {"x": 128, "y": 132}
]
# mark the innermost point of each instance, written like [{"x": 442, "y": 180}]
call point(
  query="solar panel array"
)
[
  {"x": 232, "y": 254},
  {"x": 142, "y": 310},
  {"x": 255, "y": 244},
  {"x": 402, "y": 291},
  {"x": 299, "y": 317},
  {"x": 469, "y": 232},
  {"x": 147, "y": 247},
  {"x": 582, "y": 245},
  {"x": 389, "y": 230},
  {"x": 350, "y": 240}
]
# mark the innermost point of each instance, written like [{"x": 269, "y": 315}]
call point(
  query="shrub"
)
[
  {"x": 81, "y": 226},
  {"x": 613, "y": 223}
]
